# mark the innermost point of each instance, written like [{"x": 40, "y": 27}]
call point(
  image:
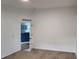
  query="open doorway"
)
[{"x": 25, "y": 34}]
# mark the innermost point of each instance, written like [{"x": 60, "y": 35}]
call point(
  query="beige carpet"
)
[{"x": 41, "y": 54}]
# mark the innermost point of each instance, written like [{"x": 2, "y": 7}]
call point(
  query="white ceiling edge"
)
[
  {"x": 8, "y": 8},
  {"x": 5, "y": 7},
  {"x": 39, "y": 4}
]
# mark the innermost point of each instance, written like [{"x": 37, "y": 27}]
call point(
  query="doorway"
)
[{"x": 25, "y": 34}]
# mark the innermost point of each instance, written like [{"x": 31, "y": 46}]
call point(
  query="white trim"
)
[
  {"x": 54, "y": 49},
  {"x": 9, "y": 53}
]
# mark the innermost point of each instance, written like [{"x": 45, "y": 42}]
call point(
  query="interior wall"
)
[
  {"x": 10, "y": 29},
  {"x": 55, "y": 29}
]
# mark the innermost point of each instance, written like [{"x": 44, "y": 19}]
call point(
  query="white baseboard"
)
[
  {"x": 2, "y": 56},
  {"x": 55, "y": 49}
]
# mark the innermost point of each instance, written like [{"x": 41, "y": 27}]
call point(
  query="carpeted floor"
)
[{"x": 41, "y": 54}]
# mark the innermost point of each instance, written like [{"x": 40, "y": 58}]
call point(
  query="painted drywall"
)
[
  {"x": 52, "y": 29},
  {"x": 55, "y": 29},
  {"x": 10, "y": 29}
]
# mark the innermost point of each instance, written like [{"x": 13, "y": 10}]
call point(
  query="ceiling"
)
[{"x": 39, "y": 3}]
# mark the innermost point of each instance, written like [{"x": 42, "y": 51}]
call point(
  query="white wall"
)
[
  {"x": 10, "y": 41},
  {"x": 55, "y": 29}
]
